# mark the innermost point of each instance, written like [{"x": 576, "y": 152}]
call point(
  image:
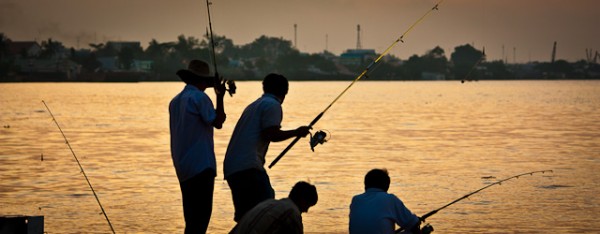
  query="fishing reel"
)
[
  {"x": 320, "y": 137},
  {"x": 231, "y": 87},
  {"x": 427, "y": 229}
]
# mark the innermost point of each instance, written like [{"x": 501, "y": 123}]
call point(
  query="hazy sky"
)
[{"x": 526, "y": 29}]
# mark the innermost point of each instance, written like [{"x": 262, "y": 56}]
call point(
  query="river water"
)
[{"x": 439, "y": 141}]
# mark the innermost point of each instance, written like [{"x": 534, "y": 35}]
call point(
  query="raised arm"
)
[{"x": 221, "y": 116}]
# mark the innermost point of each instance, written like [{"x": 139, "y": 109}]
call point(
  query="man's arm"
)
[
  {"x": 405, "y": 217},
  {"x": 220, "y": 119},
  {"x": 275, "y": 134}
]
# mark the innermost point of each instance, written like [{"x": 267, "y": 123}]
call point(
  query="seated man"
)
[
  {"x": 377, "y": 211},
  {"x": 280, "y": 216}
]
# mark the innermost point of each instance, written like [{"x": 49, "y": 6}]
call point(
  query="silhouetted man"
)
[
  {"x": 280, "y": 216},
  {"x": 377, "y": 211},
  {"x": 259, "y": 125},
  {"x": 192, "y": 119}
]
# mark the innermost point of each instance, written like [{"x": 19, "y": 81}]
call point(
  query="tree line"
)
[{"x": 271, "y": 54}]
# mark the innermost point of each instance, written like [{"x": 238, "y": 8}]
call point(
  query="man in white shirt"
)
[
  {"x": 376, "y": 211},
  {"x": 259, "y": 125},
  {"x": 192, "y": 118},
  {"x": 280, "y": 216}
]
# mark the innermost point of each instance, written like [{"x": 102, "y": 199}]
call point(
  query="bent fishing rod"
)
[
  {"x": 80, "y": 167},
  {"x": 479, "y": 190},
  {"x": 218, "y": 80},
  {"x": 474, "y": 66},
  {"x": 364, "y": 73}
]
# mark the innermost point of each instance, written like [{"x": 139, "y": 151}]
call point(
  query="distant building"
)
[
  {"x": 357, "y": 56},
  {"x": 24, "y": 49},
  {"x": 142, "y": 65},
  {"x": 432, "y": 76},
  {"x": 50, "y": 69},
  {"x": 108, "y": 63}
]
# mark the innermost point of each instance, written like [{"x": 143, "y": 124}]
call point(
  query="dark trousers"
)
[
  {"x": 197, "y": 196},
  {"x": 248, "y": 188}
]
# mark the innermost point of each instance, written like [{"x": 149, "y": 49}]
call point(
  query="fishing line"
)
[
  {"x": 474, "y": 66},
  {"x": 80, "y": 167},
  {"x": 364, "y": 73},
  {"x": 479, "y": 190},
  {"x": 428, "y": 228}
]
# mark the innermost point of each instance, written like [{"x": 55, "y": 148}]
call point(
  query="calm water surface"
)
[{"x": 437, "y": 139}]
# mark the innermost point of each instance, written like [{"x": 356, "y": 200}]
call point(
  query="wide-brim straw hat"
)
[{"x": 197, "y": 71}]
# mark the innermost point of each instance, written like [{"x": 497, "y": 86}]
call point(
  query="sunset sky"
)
[{"x": 526, "y": 29}]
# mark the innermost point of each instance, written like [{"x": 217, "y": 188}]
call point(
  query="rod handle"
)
[
  {"x": 294, "y": 141},
  {"x": 428, "y": 214},
  {"x": 284, "y": 152}
]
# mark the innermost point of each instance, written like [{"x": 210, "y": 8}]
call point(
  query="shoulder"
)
[
  {"x": 288, "y": 203},
  {"x": 268, "y": 105},
  {"x": 392, "y": 197},
  {"x": 198, "y": 96},
  {"x": 268, "y": 100}
]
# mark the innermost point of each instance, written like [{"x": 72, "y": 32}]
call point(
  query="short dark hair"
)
[
  {"x": 377, "y": 178},
  {"x": 275, "y": 84},
  {"x": 304, "y": 191}
]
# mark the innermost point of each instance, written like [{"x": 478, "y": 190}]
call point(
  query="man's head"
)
[
  {"x": 304, "y": 195},
  {"x": 276, "y": 84},
  {"x": 197, "y": 73},
  {"x": 377, "y": 178}
]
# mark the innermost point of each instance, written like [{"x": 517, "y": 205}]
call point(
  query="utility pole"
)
[
  {"x": 503, "y": 56},
  {"x": 326, "y": 42},
  {"x": 358, "y": 45},
  {"x": 296, "y": 36},
  {"x": 553, "y": 52}
]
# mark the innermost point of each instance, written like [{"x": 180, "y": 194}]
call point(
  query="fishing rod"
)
[
  {"x": 427, "y": 228},
  {"x": 474, "y": 66},
  {"x": 479, "y": 190},
  {"x": 80, "y": 167},
  {"x": 218, "y": 80},
  {"x": 321, "y": 135}
]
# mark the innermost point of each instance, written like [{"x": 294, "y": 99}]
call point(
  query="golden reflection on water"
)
[{"x": 437, "y": 139}]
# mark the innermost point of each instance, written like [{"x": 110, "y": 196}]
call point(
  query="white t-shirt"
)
[
  {"x": 247, "y": 149},
  {"x": 192, "y": 146},
  {"x": 377, "y": 211}
]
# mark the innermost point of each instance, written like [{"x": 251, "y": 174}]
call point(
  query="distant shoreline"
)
[{"x": 295, "y": 80}]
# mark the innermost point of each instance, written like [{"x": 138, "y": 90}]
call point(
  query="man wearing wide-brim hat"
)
[{"x": 192, "y": 119}]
